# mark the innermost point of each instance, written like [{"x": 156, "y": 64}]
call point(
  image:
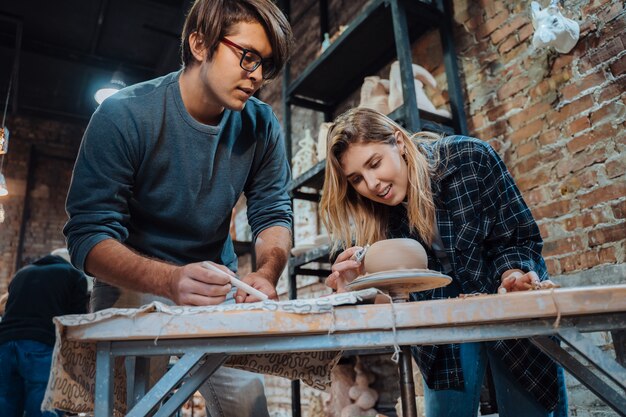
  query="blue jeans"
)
[
  {"x": 24, "y": 372},
  {"x": 513, "y": 400}
]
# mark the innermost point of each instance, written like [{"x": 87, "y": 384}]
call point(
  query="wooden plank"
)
[{"x": 510, "y": 307}]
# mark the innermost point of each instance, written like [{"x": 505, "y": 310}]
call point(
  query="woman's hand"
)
[
  {"x": 518, "y": 280},
  {"x": 345, "y": 270}
]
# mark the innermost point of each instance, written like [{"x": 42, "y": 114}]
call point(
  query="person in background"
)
[
  {"x": 456, "y": 197},
  {"x": 163, "y": 163},
  {"x": 48, "y": 287}
]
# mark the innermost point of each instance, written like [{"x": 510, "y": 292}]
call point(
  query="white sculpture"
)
[
  {"x": 322, "y": 139},
  {"x": 306, "y": 156},
  {"x": 421, "y": 76},
  {"x": 375, "y": 94},
  {"x": 552, "y": 28},
  {"x": 363, "y": 396}
]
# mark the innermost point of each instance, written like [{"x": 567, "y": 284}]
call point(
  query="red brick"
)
[
  {"x": 618, "y": 67},
  {"x": 587, "y": 140},
  {"x": 562, "y": 246},
  {"x": 552, "y": 210},
  {"x": 549, "y": 86},
  {"x": 526, "y": 132},
  {"x": 536, "y": 196},
  {"x": 508, "y": 29},
  {"x": 607, "y": 255},
  {"x": 493, "y": 130},
  {"x": 601, "y": 55},
  {"x": 527, "y": 165},
  {"x": 612, "y": 90},
  {"x": 549, "y": 137},
  {"x": 541, "y": 89},
  {"x": 510, "y": 43},
  {"x": 593, "y": 217},
  {"x": 578, "y": 125},
  {"x": 498, "y": 111},
  {"x": 586, "y": 260},
  {"x": 561, "y": 62},
  {"x": 619, "y": 210},
  {"x": 576, "y": 107},
  {"x": 571, "y": 223},
  {"x": 608, "y": 14},
  {"x": 613, "y": 233},
  {"x": 491, "y": 7},
  {"x": 579, "y": 161},
  {"x": 603, "y": 194},
  {"x": 492, "y": 24},
  {"x": 553, "y": 267},
  {"x": 610, "y": 112},
  {"x": 528, "y": 182},
  {"x": 543, "y": 230},
  {"x": 526, "y": 149},
  {"x": 616, "y": 167},
  {"x": 588, "y": 179},
  {"x": 512, "y": 86},
  {"x": 473, "y": 22},
  {"x": 525, "y": 32},
  {"x": 592, "y": 80},
  {"x": 524, "y": 116},
  {"x": 476, "y": 122},
  {"x": 515, "y": 52}
]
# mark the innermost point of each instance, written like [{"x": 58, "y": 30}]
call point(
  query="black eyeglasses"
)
[{"x": 251, "y": 60}]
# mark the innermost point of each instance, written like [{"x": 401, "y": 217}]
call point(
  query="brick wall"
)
[
  {"x": 38, "y": 169},
  {"x": 557, "y": 120}
]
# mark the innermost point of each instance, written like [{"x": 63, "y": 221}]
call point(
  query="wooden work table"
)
[{"x": 563, "y": 313}]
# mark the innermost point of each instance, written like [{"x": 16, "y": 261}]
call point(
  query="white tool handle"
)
[{"x": 237, "y": 282}]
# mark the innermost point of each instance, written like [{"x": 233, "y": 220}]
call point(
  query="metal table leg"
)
[
  {"x": 166, "y": 383},
  {"x": 608, "y": 394},
  {"x": 407, "y": 385},
  {"x": 104, "y": 380}
]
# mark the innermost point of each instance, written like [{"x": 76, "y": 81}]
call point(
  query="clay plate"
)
[{"x": 399, "y": 283}]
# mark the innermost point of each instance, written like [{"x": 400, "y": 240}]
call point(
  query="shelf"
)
[
  {"x": 430, "y": 121},
  {"x": 313, "y": 178},
  {"x": 319, "y": 254},
  {"x": 366, "y": 46}
]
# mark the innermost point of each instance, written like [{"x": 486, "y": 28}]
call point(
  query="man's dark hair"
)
[{"x": 214, "y": 19}]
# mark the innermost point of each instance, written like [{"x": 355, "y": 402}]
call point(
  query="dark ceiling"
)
[{"x": 62, "y": 51}]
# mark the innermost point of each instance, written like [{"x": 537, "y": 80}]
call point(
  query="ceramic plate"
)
[{"x": 404, "y": 280}]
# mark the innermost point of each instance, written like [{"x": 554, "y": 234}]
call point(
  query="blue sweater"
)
[{"x": 154, "y": 178}]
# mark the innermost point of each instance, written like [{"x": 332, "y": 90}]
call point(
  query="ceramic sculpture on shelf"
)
[
  {"x": 375, "y": 94},
  {"x": 321, "y": 140},
  {"x": 553, "y": 29},
  {"x": 363, "y": 396},
  {"x": 422, "y": 78},
  {"x": 306, "y": 156}
]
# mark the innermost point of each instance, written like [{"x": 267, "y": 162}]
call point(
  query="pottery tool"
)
[
  {"x": 237, "y": 282},
  {"x": 360, "y": 254}
]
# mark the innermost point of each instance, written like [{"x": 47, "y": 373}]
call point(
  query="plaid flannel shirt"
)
[{"x": 486, "y": 228}]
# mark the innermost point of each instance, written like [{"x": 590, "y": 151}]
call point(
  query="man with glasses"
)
[{"x": 161, "y": 166}]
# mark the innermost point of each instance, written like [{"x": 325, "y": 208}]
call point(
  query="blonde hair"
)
[
  {"x": 3, "y": 302},
  {"x": 353, "y": 219}
]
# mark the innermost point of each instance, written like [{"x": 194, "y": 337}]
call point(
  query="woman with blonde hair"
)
[{"x": 455, "y": 196}]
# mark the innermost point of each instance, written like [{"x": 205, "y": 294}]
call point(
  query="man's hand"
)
[
  {"x": 259, "y": 282},
  {"x": 194, "y": 285}
]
